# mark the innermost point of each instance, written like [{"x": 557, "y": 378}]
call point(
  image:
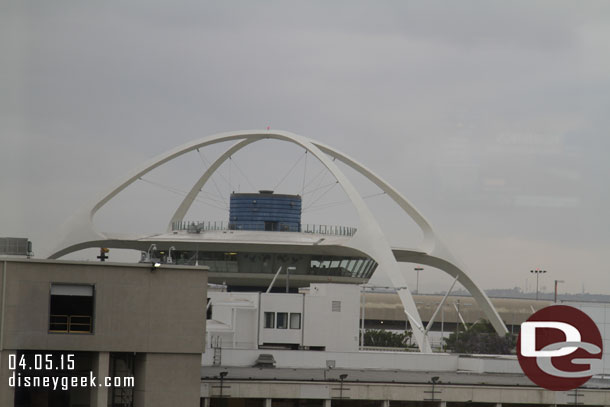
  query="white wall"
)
[
  {"x": 246, "y": 328},
  {"x": 599, "y": 312},
  {"x": 234, "y": 319},
  {"x": 241, "y": 318},
  {"x": 337, "y": 331},
  {"x": 285, "y": 303}
]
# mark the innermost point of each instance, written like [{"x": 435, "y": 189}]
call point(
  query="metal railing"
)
[
  {"x": 387, "y": 349},
  {"x": 70, "y": 323},
  {"x": 203, "y": 226}
]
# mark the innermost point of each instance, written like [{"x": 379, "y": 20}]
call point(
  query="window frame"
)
[
  {"x": 290, "y": 320},
  {"x": 277, "y": 319},
  {"x": 93, "y": 309},
  {"x": 272, "y": 314}
]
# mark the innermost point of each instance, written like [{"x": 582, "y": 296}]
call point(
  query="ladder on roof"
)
[{"x": 217, "y": 346}]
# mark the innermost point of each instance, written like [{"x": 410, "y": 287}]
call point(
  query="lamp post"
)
[
  {"x": 418, "y": 269},
  {"x": 557, "y": 282},
  {"x": 435, "y": 381},
  {"x": 537, "y": 272},
  {"x": 288, "y": 277},
  {"x": 363, "y": 306},
  {"x": 222, "y": 377},
  {"x": 342, "y": 378}
]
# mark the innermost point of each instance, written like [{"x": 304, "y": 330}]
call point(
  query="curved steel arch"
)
[
  {"x": 436, "y": 253},
  {"x": 429, "y": 236},
  {"x": 369, "y": 238},
  {"x": 188, "y": 200}
]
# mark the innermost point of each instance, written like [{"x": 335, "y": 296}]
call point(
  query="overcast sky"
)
[{"x": 491, "y": 117}]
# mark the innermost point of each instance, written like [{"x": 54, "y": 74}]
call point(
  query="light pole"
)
[
  {"x": 418, "y": 269},
  {"x": 222, "y": 377},
  {"x": 435, "y": 381},
  {"x": 342, "y": 378},
  {"x": 537, "y": 272},
  {"x": 288, "y": 277},
  {"x": 557, "y": 282},
  {"x": 363, "y": 305}
]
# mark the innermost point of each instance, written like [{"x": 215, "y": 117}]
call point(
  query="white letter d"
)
[{"x": 528, "y": 338}]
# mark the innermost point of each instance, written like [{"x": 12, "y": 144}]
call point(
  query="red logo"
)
[{"x": 560, "y": 348}]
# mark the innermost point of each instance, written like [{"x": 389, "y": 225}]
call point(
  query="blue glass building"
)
[{"x": 265, "y": 211}]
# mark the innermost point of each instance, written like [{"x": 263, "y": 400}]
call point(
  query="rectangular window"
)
[
  {"x": 71, "y": 308},
  {"x": 269, "y": 320},
  {"x": 295, "y": 320},
  {"x": 336, "y": 306},
  {"x": 282, "y": 320}
]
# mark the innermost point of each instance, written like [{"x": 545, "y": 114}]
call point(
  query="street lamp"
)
[
  {"x": 537, "y": 272},
  {"x": 418, "y": 269},
  {"x": 222, "y": 378},
  {"x": 435, "y": 381},
  {"x": 342, "y": 378},
  {"x": 556, "y": 282},
  {"x": 288, "y": 277}
]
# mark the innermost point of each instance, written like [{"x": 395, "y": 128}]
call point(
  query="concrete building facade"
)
[{"x": 130, "y": 320}]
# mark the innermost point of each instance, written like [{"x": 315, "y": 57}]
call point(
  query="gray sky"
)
[{"x": 491, "y": 117}]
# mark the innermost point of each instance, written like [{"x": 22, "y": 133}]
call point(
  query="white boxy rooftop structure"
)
[{"x": 323, "y": 317}]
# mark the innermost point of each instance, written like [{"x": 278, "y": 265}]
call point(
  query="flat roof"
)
[
  {"x": 101, "y": 263},
  {"x": 263, "y": 194},
  {"x": 389, "y": 376}
]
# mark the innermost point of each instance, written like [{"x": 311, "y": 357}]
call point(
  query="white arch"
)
[
  {"x": 190, "y": 197},
  {"x": 436, "y": 253},
  {"x": 369, "y": 238}
]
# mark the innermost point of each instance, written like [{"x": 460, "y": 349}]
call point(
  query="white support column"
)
[
  {"x": 327, "y": 403},
  {"x": 268, "y": 402},
  {"x": 206, "y": 402},
  {"x": 385, "y": 403},
  {"x": 100, "y": 368}
]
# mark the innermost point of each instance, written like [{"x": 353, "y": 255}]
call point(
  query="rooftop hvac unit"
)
[{"x": 15, "y": 246}]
